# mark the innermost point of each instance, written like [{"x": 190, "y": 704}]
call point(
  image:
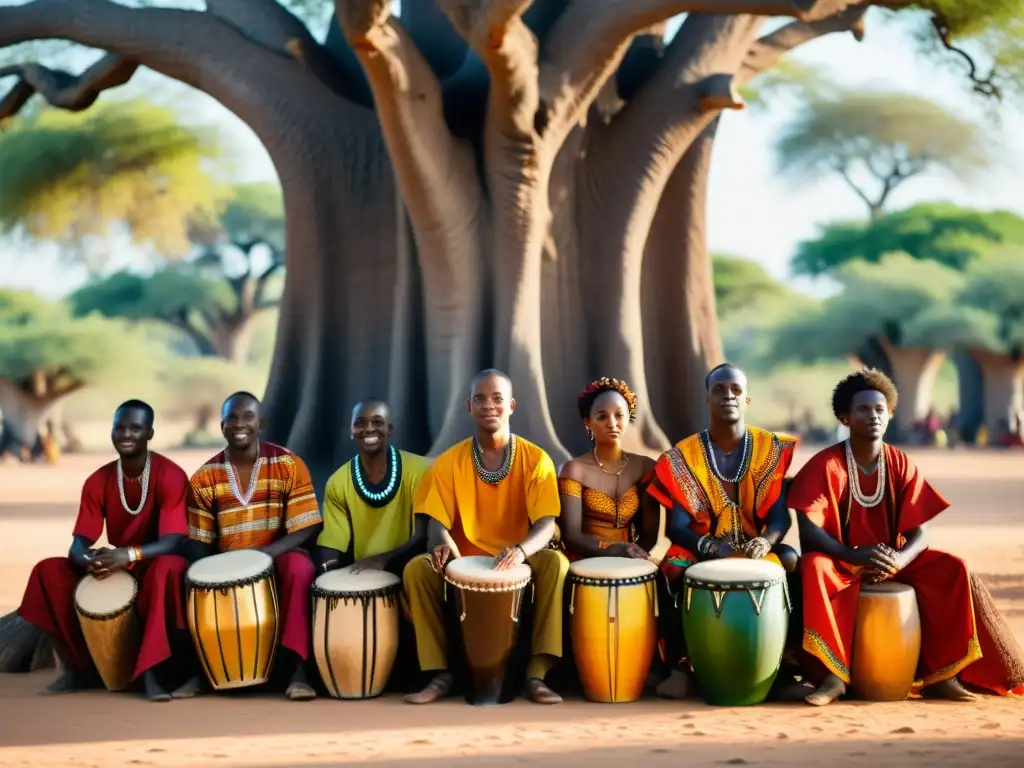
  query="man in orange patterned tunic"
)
[
  {"x": 723, "y": 489},
  {"x": 862, "y": 506},
  {"x": 277, "y": 513}
]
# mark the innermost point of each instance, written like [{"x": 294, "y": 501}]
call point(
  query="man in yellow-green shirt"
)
[{"x": 370, "y": 502}]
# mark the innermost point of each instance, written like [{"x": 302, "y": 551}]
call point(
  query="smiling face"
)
[
  {"x": 240, "y": 422},
  {"x": 727, "y": 396},
  {"x": 371, "y": 427},
  {"x": 131, "y": 432},
  {"x": 869, "y": 415},
  {"x": 491, "y": 404},
  {"x": 609, "y": 419}
]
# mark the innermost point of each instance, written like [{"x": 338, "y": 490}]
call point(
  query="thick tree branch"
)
[
  {"x": 410, "y": 108},
  {"x": 62, "y": 89},
  {"x": 770, "y": 49},
  {"x": 986, "y": 86}
]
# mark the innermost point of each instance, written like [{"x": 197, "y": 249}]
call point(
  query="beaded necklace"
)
[
  {"x": 738, "y": 536},
  {"x": 855, "y": 491},
  {"x": 495, "y": 477},
  {"x": 145, "y": 487},
  {"x": 389, "y": 485}
]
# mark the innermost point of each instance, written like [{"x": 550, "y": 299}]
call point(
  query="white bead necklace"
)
[
  {"x": 855, "y": 491},
  {"x": 744, "y": 458},
  {"x": 144, "y": 482}
]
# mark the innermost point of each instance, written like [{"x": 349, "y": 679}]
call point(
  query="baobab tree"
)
[{"x": 480, "y": 182}]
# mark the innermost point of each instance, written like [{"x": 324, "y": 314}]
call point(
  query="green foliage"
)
[
  {"x": 744, "y": 284},
  {"x": 167, "y": 294},
  {"x": 994, "y": 296},
  {"x": 938, "y": 232},
  {"x": 253, "y": 212},
  {"x": 39, "y": 337},
  {"x": 900, "y": 299},
  {"x": 66, "y": 176}
]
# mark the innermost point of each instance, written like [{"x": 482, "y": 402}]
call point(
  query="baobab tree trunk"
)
[
  {"x": 971, "y": 391},
  {"x": 232, "y": 341},
  {"x": 913, "y": 372},
  {"x": 24, "y": 413},
  {"x": 1003, "y": 377}
]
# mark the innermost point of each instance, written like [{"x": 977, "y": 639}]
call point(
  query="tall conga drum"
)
[
  {"x": 886, "y": 642},
  {"x": 613, "y": 609},
  {"x": 735, "y": 619},
  {"x": 232, "y": 613},
  {"x": 488, "y": 604},
  {"x": 355, "y": 631},
  {"x": 110, "y": 625}
]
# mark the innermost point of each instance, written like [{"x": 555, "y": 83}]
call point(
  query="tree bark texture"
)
[
  {"x": 479, "y": 183},
  {"x": 1003, "y": 378},
  {"x": 913, "y": 372}
]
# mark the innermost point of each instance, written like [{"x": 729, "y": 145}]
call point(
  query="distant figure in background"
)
[
  {"x": 257, "y": 495},
  {"x": 140, "y": 499}
]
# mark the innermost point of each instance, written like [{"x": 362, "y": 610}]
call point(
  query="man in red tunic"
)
[
  {"x": 862, "y": 506},
  {"x": 277, "y": 513},
  {"x": 141, "y": 499}
]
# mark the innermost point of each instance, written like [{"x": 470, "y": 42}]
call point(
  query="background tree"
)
[
  {"x": 45, "y": 356},
  {"x": 875, "y": 142},
  {"x": 939, "y": 232},
  {"x": 900, "y": 304},
  {"x": 215, "y": 298},
  {"x": 72, "y": 177},
  {"x": 490, "y": 147}
]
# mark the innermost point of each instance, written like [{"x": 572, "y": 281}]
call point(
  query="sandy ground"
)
[{"x": 985, "y": 525}]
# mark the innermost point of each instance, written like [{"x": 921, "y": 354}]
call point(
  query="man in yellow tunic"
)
[
  {"x": 492, "y": 494},
  {"x": 369, "y": 502}
]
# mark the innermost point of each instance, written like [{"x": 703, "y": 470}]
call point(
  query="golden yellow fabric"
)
[
  {"x": 377, "y": 529},
  {"x": 484, "y": 519}
]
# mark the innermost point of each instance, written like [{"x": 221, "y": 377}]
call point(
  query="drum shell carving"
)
[
  {"x": 114, "y": 639},
  {"x": 735, "y": 637},
  {"x": 886, "y": 642},
  {"x": 355, "y": 640},
  {"x": 235, "y": 630}
]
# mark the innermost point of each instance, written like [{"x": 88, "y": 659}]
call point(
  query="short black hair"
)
[
  {"x": 243, "y": 394},
  {"x": 716, "y": 369},
  {"x": 138, "y": 405},
  {"x": 487, "y": 373},
  {"x": 368, "y": 402},
  {"x": 864, "y": 380}
]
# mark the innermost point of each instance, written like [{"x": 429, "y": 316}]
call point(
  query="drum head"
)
[
  {"x": 478, "y": 571},
  {"x": 735, "y": 570},
  {"x": 105, "y": 597},
  {"x": 343, "y": 581},
  {"x": 886, "y": 588},
  {"x": 612, "y": 568},
  {"x": 228, "y": 567}
]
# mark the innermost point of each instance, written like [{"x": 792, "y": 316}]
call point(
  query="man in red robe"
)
[
  {"x": 141, "y": 500},
  {"x": 862, "y": 506}
]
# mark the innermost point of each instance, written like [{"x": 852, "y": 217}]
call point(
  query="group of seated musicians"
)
[{"x": 861, "y": 507}]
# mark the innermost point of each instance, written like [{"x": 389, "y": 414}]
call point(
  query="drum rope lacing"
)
[
  {"x": 517, "y": 602},
  {"x": 689, "y": 584},
  {"x": 611, "y": 583},
  {"x": 144, "y": 483},
  {"x": 392, "y": 480},
  {"x": 225, "y": 586},
  {"x": 495, "y": 477}
]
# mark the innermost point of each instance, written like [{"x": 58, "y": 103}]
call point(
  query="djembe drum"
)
[
  {"x": 488, "y": 602},
  {"x": 613, "y": 609},
  {"x": 355, "y": 631},
  {"x": 735, "y": 619},
  {"x": 886, "y": 642},
  {"x": 232, "y": 613},
  {"x": 110, "y": 625}
]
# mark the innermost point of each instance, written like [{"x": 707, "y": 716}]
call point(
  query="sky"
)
[{"x": 752, "y": 213}]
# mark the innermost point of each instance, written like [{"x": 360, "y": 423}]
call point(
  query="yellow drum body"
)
[
  {"x": 613, "y": 608},
  {"x": 355, "y": 631},
  {"x": 232, "y": 613},
  {"x": 110, "y": 625},
  {"x": 886, "y": 642}
]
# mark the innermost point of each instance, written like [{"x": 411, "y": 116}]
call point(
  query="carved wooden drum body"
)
[
  {"x": 110, "y": 625},
  {"x": 355, "y": 631},
  {"x": 886, "y": 642},
  {"x": 613, "y": 609},
  {"x": 232, "y": 612}
]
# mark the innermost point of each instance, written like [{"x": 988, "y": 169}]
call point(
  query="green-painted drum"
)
[{"x": 735, "y": 617}]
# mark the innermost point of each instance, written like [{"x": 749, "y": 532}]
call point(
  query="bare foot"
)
[
  {"x": 191, "y": 688},
  {"x": 68, "y": 682},
  {"x": 300, "y": 691},
  {"x": 154, "y": 691},
  {"x": 830, "y": 690},
  {"x": 675, "y": 686},
  {"x": 950, "y": 690},
  {"x": 439, "y": 686},
  {"x": 538, "y": 692}
]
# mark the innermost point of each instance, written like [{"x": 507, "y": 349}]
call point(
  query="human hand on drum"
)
[
  {"x": 723, "y": 549},
  {"x": 440, "y": 556},
  {"x": 509, "y": 558},
  {"x": 757, "y": 548},
  {"x": 109, "y": 560},
  {"x": 632, "y": 550},
  {"x": 375, "y": 563},
  {"x": 882, "y": 562}
]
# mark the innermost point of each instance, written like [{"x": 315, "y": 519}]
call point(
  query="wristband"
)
[{"x": 132, "y": 554}]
